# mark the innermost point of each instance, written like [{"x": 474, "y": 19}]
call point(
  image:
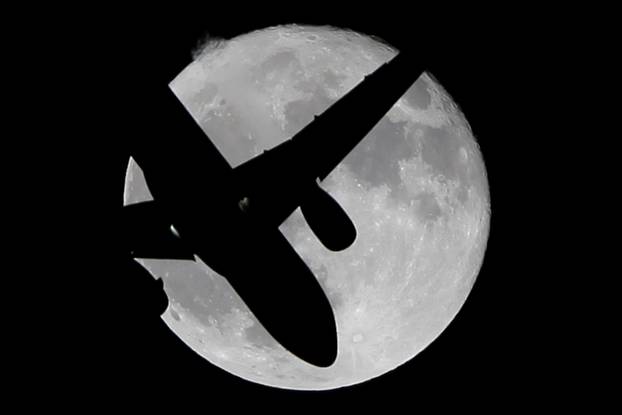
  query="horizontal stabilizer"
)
[{"x": 148, "y": 233}]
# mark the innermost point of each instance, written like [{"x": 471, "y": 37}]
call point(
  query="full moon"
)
[{"x": 415, "y": 187}]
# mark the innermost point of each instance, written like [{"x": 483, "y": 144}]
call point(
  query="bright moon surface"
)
[{"x": 415, "y": 188}]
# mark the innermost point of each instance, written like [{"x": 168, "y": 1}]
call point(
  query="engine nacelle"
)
[{"x": 327, "y": 219}]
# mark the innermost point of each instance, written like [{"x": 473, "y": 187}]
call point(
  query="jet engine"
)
[{"x": 327, "y": 219}]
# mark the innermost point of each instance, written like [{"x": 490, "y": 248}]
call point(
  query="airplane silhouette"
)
[{"x": 229, "y": 217}]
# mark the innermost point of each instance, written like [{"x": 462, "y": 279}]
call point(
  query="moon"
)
[{"x": 415, "y": 187}]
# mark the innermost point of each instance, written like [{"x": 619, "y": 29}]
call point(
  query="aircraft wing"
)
[{"x": 320, "y": 146}]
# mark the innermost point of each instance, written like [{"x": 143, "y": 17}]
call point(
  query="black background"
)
[{"x": 497, "y": 349}]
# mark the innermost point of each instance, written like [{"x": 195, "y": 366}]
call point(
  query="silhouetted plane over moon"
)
[{"x": 232, "y": 226}]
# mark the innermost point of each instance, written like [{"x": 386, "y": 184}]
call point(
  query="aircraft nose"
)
[
  {"x": 302, "y": 322},
  {"x": 284, "y": 295},
  {"x": 313, "y": 338},
  {"x": 300, "y": 319},
  {"x": 294, "y": 309},
  {"x": 306, "y": 325}
]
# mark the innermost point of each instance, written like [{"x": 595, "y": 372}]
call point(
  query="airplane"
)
[{"x": 203, "y": 208}]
